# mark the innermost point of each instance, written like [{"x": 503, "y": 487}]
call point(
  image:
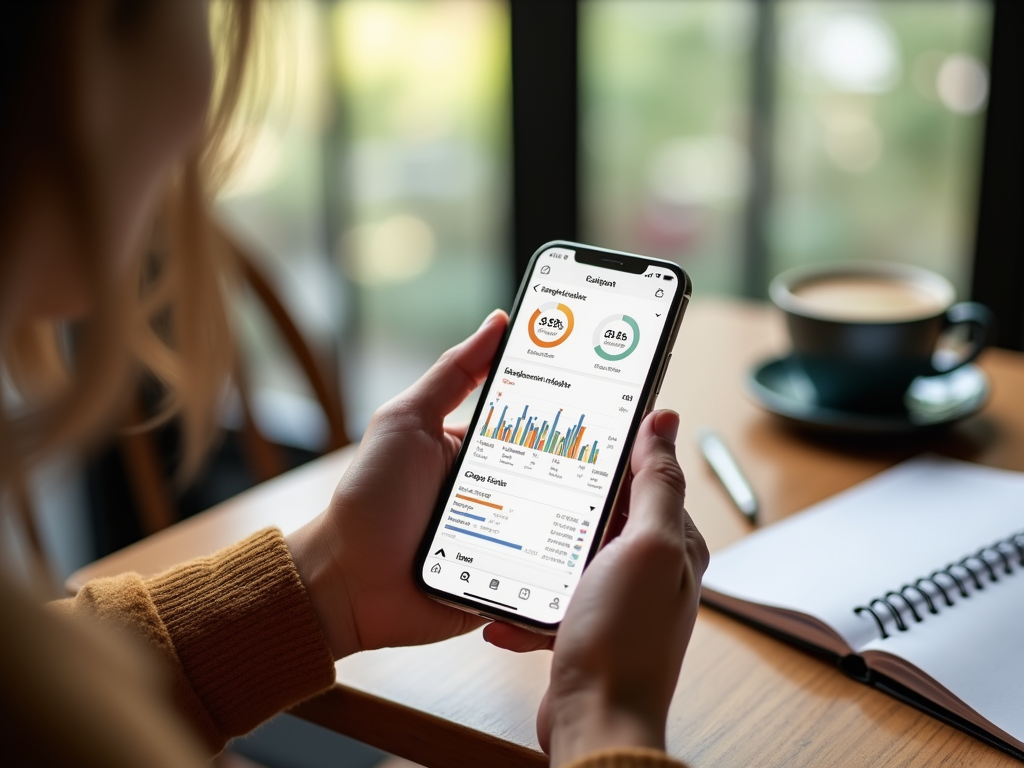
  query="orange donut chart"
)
[{"x": 565, "y": 331}]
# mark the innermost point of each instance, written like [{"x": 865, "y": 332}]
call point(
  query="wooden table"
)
[{"x": 743, "y": 698}]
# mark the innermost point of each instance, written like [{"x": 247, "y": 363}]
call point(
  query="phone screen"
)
[{"x": 535, "y": 482}]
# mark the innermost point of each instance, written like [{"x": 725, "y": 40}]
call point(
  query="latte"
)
[{"x": 866, "y": 298}]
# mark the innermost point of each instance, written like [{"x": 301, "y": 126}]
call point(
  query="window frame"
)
[{"x": 546, "y": 151}]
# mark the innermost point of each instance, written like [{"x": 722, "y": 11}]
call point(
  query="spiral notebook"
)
[{"x": 912, "y": 581}]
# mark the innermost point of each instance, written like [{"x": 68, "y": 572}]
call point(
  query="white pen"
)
[{"x": 728, "y": 471}]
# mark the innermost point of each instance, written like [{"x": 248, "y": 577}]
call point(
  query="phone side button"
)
[{"x": 661, "y": 377}]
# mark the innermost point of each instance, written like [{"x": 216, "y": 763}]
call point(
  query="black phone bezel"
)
[{"x": 601, "y": 258}]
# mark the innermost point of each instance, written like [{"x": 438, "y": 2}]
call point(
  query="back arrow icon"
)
[{"x": 440, "y": 552}]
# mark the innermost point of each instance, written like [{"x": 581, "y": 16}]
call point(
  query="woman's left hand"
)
[{"x": 356, "y": 558}]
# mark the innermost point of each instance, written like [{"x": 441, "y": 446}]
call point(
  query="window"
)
[
  {"x": 664, "y": 96},
  {"x": 424, "y": 88},
  {"x": 876, "y": 112},
  {"x": 376, "y": 190},
  {"x": 879, "y": 119},
  {"x": 379, "y": 186}
]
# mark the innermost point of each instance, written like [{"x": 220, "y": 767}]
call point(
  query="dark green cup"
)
[{"x": 863, "y": 331}]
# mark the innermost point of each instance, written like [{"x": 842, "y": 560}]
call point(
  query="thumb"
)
[
  {"x": 544, "y": 723},
  {"x": 658, "y": 490},
  {"x": 458, "y": 371}
]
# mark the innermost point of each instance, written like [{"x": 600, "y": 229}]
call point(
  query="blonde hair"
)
[{"x": 166, "y": 315}]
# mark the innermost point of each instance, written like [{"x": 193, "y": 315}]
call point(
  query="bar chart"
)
[{"x": 538, "y": 433}]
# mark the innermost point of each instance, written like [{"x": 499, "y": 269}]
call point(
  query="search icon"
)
[{"x": 464, "y": 576}]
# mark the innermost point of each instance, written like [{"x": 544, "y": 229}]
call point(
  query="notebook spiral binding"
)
[{"x": 954, "y": 578}]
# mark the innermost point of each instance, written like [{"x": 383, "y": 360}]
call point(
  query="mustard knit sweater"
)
[{"x": 239, "y": 643}]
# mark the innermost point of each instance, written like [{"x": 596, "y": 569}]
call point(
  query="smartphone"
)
[{"x": 531, "y": 493}]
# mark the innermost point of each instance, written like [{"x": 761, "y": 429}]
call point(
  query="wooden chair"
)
[{"x": 150, "y": 486}]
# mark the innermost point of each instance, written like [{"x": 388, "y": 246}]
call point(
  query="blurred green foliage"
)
[
  {"x": 870, "y": 161},
  {"x": 379, "y": 179}
]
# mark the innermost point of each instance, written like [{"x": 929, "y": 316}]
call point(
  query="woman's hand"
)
[
  {"x": 620, "y": 647},
  {"x": 355, "y": 559}
]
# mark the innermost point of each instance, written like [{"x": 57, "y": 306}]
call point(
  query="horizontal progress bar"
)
[
  {"x": 485, "y": 538},
  {"x": 478, "y": 501},
  {"x": 466, "y": 514}
]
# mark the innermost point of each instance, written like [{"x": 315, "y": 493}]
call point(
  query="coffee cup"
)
[{"x": 863, "y": 331}]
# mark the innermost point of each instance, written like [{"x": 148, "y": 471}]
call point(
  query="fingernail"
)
[
  {"x": 666, "y": 425},
  {"x": 489, "y": 318}
]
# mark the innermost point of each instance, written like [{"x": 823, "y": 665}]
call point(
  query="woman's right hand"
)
[{"x": 619, "y": 649}]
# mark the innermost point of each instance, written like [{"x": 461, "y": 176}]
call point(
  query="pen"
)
[{"x": 728, "y": 471}]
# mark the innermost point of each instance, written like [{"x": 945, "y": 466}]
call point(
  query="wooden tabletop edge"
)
[{"x": 412, "y": 733}]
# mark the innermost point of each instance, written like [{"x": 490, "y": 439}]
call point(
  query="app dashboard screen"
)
[{"x": 520, "y": 520}]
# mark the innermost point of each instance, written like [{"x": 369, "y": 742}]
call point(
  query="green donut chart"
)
[{"x": 610, "y": 335}]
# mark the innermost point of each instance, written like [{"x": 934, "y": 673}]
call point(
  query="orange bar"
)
[
  {"x": 478, "y": 501},
  {"x": 576, "y": 443}
]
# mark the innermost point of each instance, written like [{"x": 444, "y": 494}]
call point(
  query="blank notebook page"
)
[
  {"x": 888, "y": 531},
  {"x": 974, "y": 649}
]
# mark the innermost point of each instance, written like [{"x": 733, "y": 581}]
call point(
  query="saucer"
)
[{"x": 781, "y": 387}]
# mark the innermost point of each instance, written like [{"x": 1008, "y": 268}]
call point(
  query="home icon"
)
[{"x": 436, "y": 568}]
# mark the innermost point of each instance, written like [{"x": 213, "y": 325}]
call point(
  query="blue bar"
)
[
  {"x": 485, "y": 538},
  {"x": 553, "y": 428},
  {"x": 575, "y": 432},
  {"x": 501, "y": 422},
  {"x": 466, "y": 514},
  {"x": 512, "y": 438}
]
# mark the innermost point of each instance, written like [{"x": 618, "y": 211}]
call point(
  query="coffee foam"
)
[{"x": 867, "y": 298}]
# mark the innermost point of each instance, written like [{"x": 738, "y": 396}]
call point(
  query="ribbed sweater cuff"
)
[
  {"x": 245, "y": 633},
  {"x": 633, "y": 757}
]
